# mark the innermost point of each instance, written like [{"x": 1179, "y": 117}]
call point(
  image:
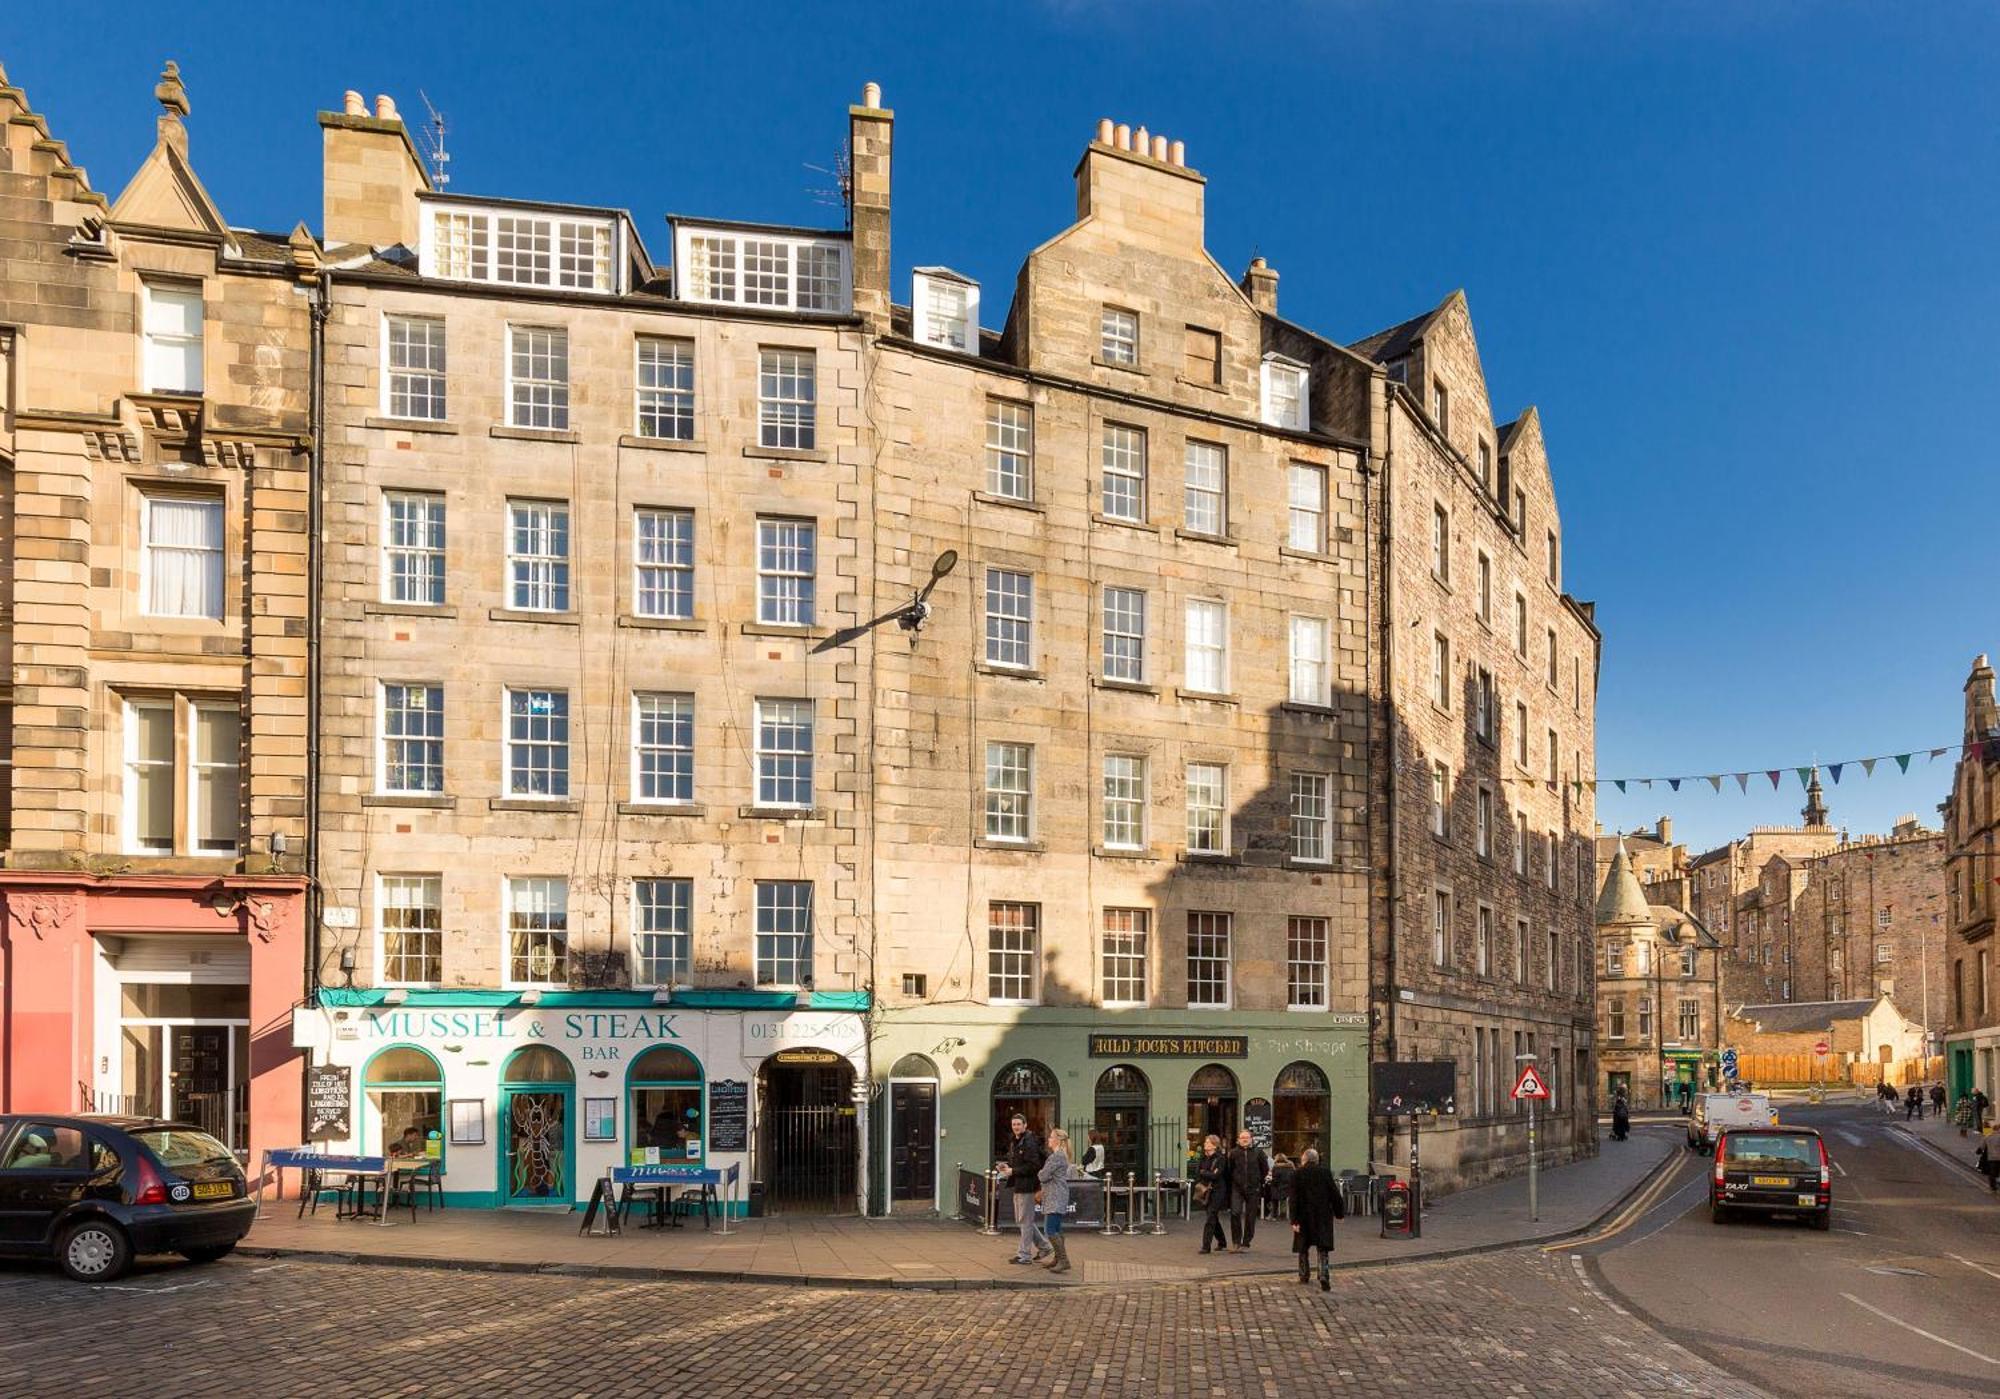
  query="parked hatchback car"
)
[
  {"x": 94, "y": 1193},
  {"x": 1775, "y": 1170}
]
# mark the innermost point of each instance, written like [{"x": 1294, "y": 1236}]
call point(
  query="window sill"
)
[
  {"x": 434, "y": 425},
  {"x": 1101, "y": 519},
  {"x": 1198, "y": 857},
  {"x": 412, "y": 801},
  {"x": 1309, "y": 866},
  {"x": 1205, "y": 385},
  {"x": 1134, "y": 687},
  {"x": 686, "y": 624},
  {"x": 408, "y": 609},
  {"x": 535, "y": 434},
  {"x": 1202, "y": 537},
  {"x": 799, "y": 814},
  {"x": 1444, "y": 583},
  {"x": 1286, "y": 551},
  {"x": 787, "y": 453},
  {"x": 555, "y": 805},
  {"x": 1011, "y": 672},
  {"x": 806, "y": 633},
  {"x": 662, "y": 809},
  {"x": 1009, "y": 502},
  {"x": 1206, "y": 696},
  {"x": 1301, "y": 707},
  {"x": 1029, "y": 847},
  {"x": 509, "y": 614},
  {"x": 1119, "y": 852},
  {"x": 662, "y": 444},
  {"x": 1102, "y": 363}
]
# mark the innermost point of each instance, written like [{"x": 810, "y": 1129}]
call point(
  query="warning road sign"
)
[{"x": 1529, "y": 1084}]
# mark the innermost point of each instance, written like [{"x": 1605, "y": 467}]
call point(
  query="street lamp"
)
[{"x": 913, "y": 617}]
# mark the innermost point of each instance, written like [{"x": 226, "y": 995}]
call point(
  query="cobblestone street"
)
[{"x": 1519, "y": 1323}]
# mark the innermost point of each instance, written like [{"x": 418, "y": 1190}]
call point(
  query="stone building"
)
[
  {"x": 1658, "y": 861},
  {"x": 1871, "y": 922},
  {"x": 155, "y": 387},
  {"x": 1484, "y": 952},
  {"x": 1972, "y": 888},
  {"x": 1659, "y": 994},
  {"x": 1721, "y": 879}
]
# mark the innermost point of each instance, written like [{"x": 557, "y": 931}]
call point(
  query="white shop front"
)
[{"x": 526, "y": 1105}]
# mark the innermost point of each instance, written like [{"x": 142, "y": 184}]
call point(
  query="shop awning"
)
[{"x": 1689, "y": 1055}]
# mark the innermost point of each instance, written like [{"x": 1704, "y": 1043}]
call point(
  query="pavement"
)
[{"x": 850, "y": 1252}]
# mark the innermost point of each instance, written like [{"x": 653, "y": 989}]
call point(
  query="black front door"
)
[
  {"x": 912, "y": 1141},
  {"x": 199, "y": 1077}
]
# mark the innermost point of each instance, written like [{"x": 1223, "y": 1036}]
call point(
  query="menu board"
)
[
  {"x": 1257, "y": 1121},
  {"x": 327, "y": 1097},
  {"x": 728, "y": 1115}
]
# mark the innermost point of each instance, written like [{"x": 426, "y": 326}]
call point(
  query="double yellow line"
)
[{"x": 1647, "y": 1197}]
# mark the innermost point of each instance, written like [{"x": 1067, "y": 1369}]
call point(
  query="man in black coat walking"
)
[
  {"x": 1316, "y": 1203},
  {"x": 1249, "y": 1169}
]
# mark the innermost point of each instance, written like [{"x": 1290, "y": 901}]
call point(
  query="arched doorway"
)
[
  {"x": 806, "y": 1132},
  {"x": 1211, "y": 1107},
  {"x": 537, "y": 1088},
  {"x": 404, "y": 1089},
  {"x": 1124, "y": 1098},
  {"x": 913, "y": 1107},
  {"x": 1029, "y": 1089},
  {"x": 1301, "y": 1111},
  {"x": 663, "y": 1104}
]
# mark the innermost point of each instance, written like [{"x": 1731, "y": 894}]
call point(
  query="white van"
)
[{"x": 1715, "y": 1111}]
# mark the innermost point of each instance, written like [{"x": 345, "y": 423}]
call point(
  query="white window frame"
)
[
  {"x": 1218, "y": 936},
  {"x": 1311, "y": 681},
  {"x": 1002, "y": 824},
  {"x": 1305, "y": 501},
  {"x": 797, "y": 941},
  {"x": 667, "y": 716},
  {"x": 1014, "y": 954},
  {"x": 1441, "y": 675},
  {"x": 513, "y": 888},
  {"x": 430, "y": 885},
  {"x": 1483, "y": 829},
  {"x": 663, "y": 563},
  {"x": 711, "y": 266},
  {"x": 416, "y": 388},
  {"x": 554, "y": 746},
  {"x": 787, "y": 571},
  {"x": 1284, "y": 388},
  {"x": 231, "y": 763},
  {"x": 424, "y": 513},
  {"x": 1118, "y": 336},
  {"x": 1124, "y": 798},
  {"x": 158, "y": 341},
  {"x": 1484, "y": 598},
  {"x": 1312, "y": 937},
  {"x": 1440, "y": 926},
  {"x": 1211, "y": 677},
  {"x": 1122, "y": 451},
  {"x": 432, "y": 708},
  {"x": 1302, "y": 793},
  {"x": 944, "y": 311},
  {"x": 1483, "y": 950},
  {"x": 678, "y": 961},
  {"x": 663, "y": 388},
  {"x": 1440, "y": 543},
  {"x": 568, "y": 249},
  {"x": 1440, "y": 799},
  {"x": 1010, "y": 618},
  {"x": 215, "y": 576},
  {"x": 1133, "y": 956},
  {"x": 1205, "y": 487},
  {"x": 529, "y": 395},
  {"x": 1010, "y": 448},
  {"x": 1122, "y": 637},
  {"x": 132, "y": 764},
  {"x": 538, "y": 580},
  {"x": 1208, "y": 818},
  {"x": 778, "y": 767},
  {"x": 787, "y": 399}
]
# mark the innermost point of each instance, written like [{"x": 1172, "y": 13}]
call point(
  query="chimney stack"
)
[
  {"x": 371, "y": 175},
  {"x": 871, "y": 129},
  {"x": 1260, "y": 284},
  {"x": 1141, "y": 181},
  {"x": 1666, "y": 830},
  {"x": 1982, "y": 715}
]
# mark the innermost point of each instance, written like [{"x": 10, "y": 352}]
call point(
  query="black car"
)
[
  {"x": 95, "y": 1192},
  {"x": 1775, "y": 1170}
]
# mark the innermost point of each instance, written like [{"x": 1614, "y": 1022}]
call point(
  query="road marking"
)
[
  {"x": 1927, "y": 1335},
  {"x": 1632, "y": 1212},
  {"x": 1837, "y": 1166},
  {"x": 1850, "y": 1138},
  {"x": 1976, "y": 1267}
]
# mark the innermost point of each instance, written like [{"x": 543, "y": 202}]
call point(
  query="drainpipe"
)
[
  {"x": 1391, "y": 991},
  {"x": 315, "y": 562}
]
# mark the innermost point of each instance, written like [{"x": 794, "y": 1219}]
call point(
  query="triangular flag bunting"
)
[
  {"x": 1647, "y": 783},
  {"x": 1674, "y": 782},
  {"x": 1619, "y": 783},
  {"x": 1835, "y": 768},
  {"x": 1903, "y": 761},
  {"x": 1716, "y": 783},
  {"x": 1868, "y": 766},
  {"x": 1743, "y": 783},
  {"x": 1936, "y": 753},
  {"x": 1773, "y": 775},
  {"x": 1805, "y": 775}
]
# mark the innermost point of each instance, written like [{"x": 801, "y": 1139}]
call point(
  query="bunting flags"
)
[{"x": 1775, "y": 776}]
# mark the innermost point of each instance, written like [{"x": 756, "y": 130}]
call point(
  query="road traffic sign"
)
[
  {"x": 1529, "y": 1084},
  {"x": 1822, "y": 1049},
  {"x": 1729, "y": 1063}
]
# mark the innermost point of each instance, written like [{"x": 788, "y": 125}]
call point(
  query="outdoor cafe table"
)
[
  {"x": 357, "y": 1170},
  {"x": 717, "y": 1184}
]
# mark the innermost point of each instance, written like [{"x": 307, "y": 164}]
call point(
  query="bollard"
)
[
  {"x": 1110, "y": 1227},
  {"x": 1159, "y": 1205},
  {"x": 992, "y": 1203}
]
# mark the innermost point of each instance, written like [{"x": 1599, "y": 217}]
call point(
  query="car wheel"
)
[
  {"x": 209, "y": 1254},
  {"x": 1823, "y": 1220},
  {"x": 1717, "y": 1213},
  {"x": 94, "y": 1251}
]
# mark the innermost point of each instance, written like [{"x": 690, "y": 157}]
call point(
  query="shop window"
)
[
  {"x": 1301, "y": 1108},
  {"x": 665, "y": 1115},
  {"x": 1211, "y": 1107},
  {"x": 405, "y": 1089},
  {"x": 1029, "y": 1089},
  {"x": 1123, "y": 1099}
]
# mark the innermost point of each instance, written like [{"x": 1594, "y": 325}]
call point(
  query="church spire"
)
[{"x": 1815, "y": 812}]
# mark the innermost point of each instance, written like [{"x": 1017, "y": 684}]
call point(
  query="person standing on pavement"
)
[
  {"x": 1980, "y": 1103},
  {"x": 1316, "y": 1203},
  {"x": 1023, "y": 1167},
  {"x": 1053, "y": 1197},
  {"x": 1937, "y": 1100},
  {"x": 1249, "y": 1169},
  {"x": 1987, "y": 1162},
  {"x": 1913, "y": 1104},
  {"x": 1211, "y": 1189},
  {"x": 1621, "y": 1118}
]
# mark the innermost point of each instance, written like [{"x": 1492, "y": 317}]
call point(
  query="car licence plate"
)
[
  {"x": 1770, "y": 1180},
  {"x": 214, "y": 1190},
  {"x": 1807, "y": 1200}
]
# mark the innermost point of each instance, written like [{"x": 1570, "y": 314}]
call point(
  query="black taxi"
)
[{"x": 1772, "y": 1170}]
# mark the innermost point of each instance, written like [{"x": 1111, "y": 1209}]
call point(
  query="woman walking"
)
[
  {"x": 1053, "y": 1197},
  {"x": 1211, "y": 1190}
]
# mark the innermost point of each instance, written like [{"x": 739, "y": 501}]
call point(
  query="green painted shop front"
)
[{"x": 1148, "y": 1084}]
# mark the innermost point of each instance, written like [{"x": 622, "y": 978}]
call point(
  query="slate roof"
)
[
  {"x": 1797, "y": 1017},
  {"x": 1398, "y": 340}
]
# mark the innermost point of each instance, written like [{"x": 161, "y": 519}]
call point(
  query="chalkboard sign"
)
[
  {"x": 1257, "y": 1121},
  {"x": 728, "y": 1115},
  {"x": 328, "y": 1089}
]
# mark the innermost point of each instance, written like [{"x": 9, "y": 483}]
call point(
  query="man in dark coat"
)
[
  {"x": 1316, "y": 1203},
  {"x": 1023, "y": 1168},
  {"x": 1249, "y": 1168}
]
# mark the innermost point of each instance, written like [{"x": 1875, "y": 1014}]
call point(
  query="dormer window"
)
[
  {"x": 173, "y": 337},
  {"x": 521, "y": 248},
  {"x": 1284, "y": 394},
  {"x": 944, "y": 310},
  {"x": 762, "y": 268}
]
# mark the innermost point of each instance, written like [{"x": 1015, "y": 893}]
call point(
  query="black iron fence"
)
[{"x": 809, "y": 1159}]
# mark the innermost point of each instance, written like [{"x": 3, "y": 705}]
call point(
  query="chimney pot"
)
[
  {"x": 1105, "y": 131},
  {"x": 1142, "y": 142},
  {"x": 385, "y": 107},
  {"x": 353, "y": 105},
  {"x": 1123, "y": 135},
  {"x": 1177, "y": 153},
  {"x": 871, "y": 94},
  {"x": 1159, "y": 148}
]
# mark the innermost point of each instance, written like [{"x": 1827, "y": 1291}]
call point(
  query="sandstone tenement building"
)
[
  {"x": 1658, "y": 861},
  {"x": 1972, "y": 888},
  {"x": 1660, "y": 1010}
]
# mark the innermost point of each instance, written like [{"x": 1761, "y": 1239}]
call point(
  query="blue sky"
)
[{"x": 1739, "y": 255}]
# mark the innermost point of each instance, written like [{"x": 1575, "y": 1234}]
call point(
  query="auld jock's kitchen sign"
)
[{"x": 1170, "y": 1046}]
